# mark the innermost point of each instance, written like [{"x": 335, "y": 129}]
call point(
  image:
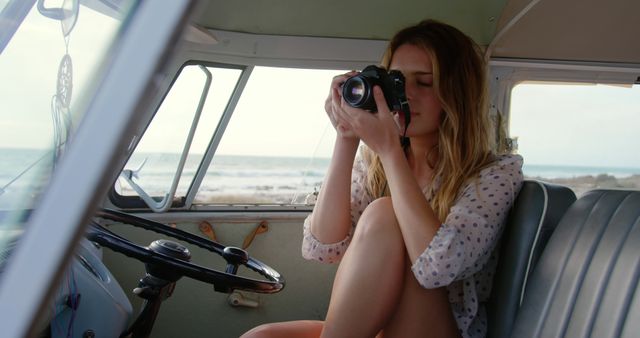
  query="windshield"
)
[{"x": 51, "y": 54}]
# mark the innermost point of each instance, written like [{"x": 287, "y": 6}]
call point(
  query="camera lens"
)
[{"x": 355, "y": 91}]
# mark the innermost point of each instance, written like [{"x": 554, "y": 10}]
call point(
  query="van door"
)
[{"x": 235, "y": 154}]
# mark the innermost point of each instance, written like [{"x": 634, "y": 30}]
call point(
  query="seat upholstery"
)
[
  {"x": 586, "y": 281},
  {"x": 533, "y": 217}
]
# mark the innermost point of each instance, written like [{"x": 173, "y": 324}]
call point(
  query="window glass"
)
[
  {"x": 276, "y": 147},
  {"x": 581, "y": 135},
  {"x": 274, "y": 150},
  {"x": 158, "y": 154}
]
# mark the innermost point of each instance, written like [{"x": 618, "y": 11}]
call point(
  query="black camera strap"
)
[{"x": 404, "y": 140}]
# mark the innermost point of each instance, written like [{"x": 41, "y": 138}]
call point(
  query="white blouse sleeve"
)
[
  {"x": 463, "y": 244},
  {"x": 312, "y": 248}
]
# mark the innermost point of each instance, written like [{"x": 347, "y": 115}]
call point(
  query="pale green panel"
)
[
  {"x": 372, "y": 19},
  {"x": 195, "y": 310}
]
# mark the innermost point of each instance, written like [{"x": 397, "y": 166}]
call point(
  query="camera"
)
[{"x": 357, "y": 91}]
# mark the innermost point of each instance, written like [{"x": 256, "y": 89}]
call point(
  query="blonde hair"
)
[{"x": 465, "y": 145}]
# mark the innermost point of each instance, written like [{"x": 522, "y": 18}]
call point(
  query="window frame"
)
[
  {"x": 506, "y": 74},
  {"x": 186, "y": 202}
]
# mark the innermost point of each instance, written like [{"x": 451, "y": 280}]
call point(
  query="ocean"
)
[
  {"x": 558, "y": 171},
  {"x": 233, "y": 178},
  {"x": 257, "y": 179},
  {"x": 263, "y": 179}
]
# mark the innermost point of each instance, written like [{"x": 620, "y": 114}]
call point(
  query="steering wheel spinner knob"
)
[{"x": 168, "y": 248}]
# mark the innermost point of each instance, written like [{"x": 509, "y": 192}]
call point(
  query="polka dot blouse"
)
[{"x": 461, "y": 255}]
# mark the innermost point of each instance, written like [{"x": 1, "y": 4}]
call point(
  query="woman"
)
[{"x": 420, "y": 223}]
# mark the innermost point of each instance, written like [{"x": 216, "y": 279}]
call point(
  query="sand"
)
[{"x": 582, "y": 184}]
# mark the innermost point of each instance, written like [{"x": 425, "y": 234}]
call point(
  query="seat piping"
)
[{"x": 535, "y": 240}]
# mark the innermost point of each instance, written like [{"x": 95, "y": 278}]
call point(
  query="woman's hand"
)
[
  {"x": 379, "y": 131},
  {"x": 333, "y": 104}
]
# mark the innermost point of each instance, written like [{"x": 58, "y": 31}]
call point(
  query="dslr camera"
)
[{"x": 357, "y": 91}]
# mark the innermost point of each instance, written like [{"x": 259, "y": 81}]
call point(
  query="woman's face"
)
[{"x": 415, "y": 64}]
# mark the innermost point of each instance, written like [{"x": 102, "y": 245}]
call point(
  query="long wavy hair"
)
[{"x": 465, "y": 142}]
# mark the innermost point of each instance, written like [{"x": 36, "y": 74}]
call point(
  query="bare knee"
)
[
  {"x": 378, "y": 221},
  {"x": 262, "y": 331},
  {"x": 297, "y": 329}
]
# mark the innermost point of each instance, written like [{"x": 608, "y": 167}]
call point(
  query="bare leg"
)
[
  {"x": 420, "y": 311},
  {"x": 297, "y": 329},
  {"x": 375, "y": 290},
  {"x": 370, "y": 278}
]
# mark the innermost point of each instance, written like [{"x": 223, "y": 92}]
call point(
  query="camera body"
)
[{"x": 357, "y": 91}]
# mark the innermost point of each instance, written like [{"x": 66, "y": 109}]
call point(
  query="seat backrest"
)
[
  {"x": 586, "y": 281},
  {"x": 533, "y": 217}
]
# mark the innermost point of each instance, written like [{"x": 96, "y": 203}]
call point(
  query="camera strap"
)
[{"x": 404, "y": 140}]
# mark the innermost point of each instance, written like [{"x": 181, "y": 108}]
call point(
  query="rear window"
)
[{"x": 584, "y": 136}]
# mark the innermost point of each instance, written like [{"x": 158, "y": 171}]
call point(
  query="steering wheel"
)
[{"x": 162, "y": 254}]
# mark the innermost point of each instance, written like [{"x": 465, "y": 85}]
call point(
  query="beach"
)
[{"x": 582, "y": 184}]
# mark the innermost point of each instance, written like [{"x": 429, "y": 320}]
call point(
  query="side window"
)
[
  {"x": 582, "y": 136},
  {"x": 172, "y": 147},
  {"x": 276, "y": 147}
]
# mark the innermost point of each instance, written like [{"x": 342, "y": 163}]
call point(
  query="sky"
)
[
  {"x": 588, "y": 125},
  {"x": 29, "y": 66},
  {"x": 574, "y": 125}
]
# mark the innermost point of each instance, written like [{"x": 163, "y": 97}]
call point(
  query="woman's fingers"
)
[
  {"x": 336, "y": 83},
  {"x": 383, "y": 108},
  {"x": 335, "y": 91},
  {"x": 348, "y": 121},
  {"x": 381, "y": 102},
  {"x": 341, "y": 120}
]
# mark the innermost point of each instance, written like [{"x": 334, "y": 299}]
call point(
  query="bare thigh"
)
[
  {"x": 421, "y": 313},
  {"x": 297, "y": 329}
]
